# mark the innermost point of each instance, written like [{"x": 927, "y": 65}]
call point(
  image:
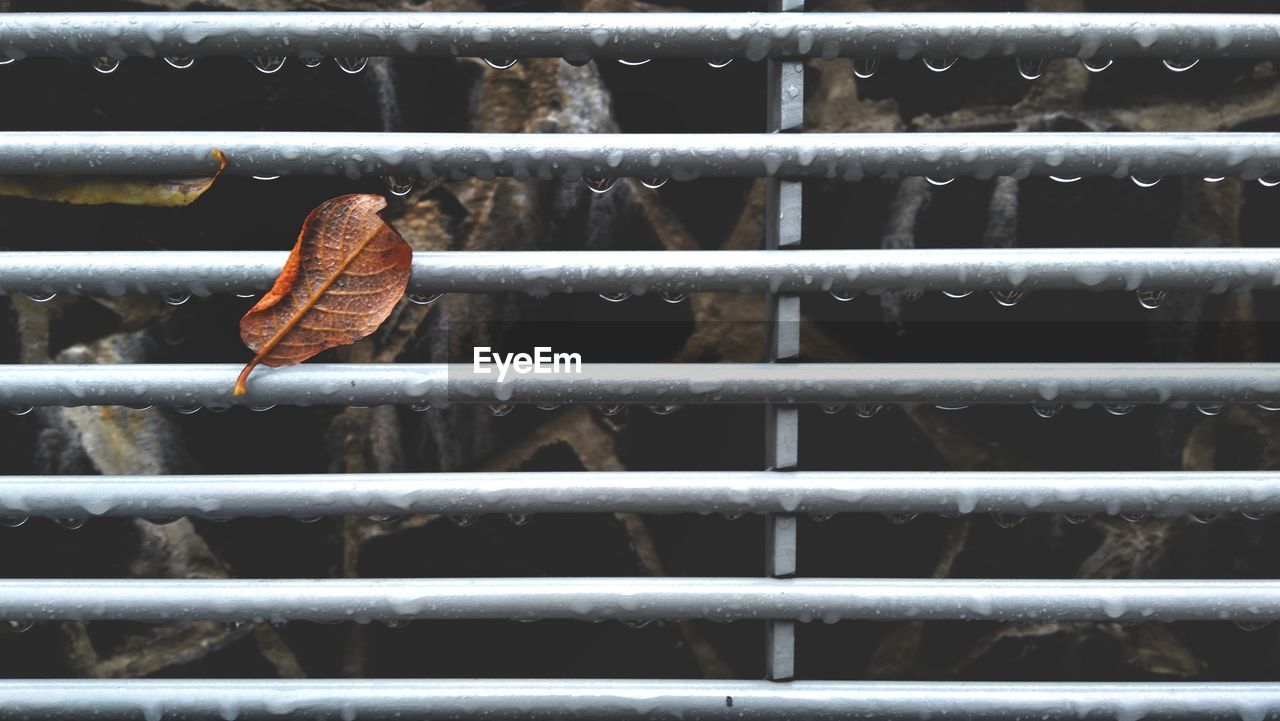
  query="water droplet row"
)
[{"x": 1029, "y": 68}]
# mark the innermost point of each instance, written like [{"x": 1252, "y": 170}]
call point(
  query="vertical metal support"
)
[{"x": 782, "y": 423}]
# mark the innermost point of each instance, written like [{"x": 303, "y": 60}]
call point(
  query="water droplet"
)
[
  {"x": 308, "y": 519},
  {"x": 865, "y": 67},
  {"x": 1096, "y": 65},
  {"x": 13, "y": 521},
  {"x": 547, "y": 406},
  {"x": 105, "y": 65},
  {"x": 462, "y": 520},
  {"x": 1076, "y": 519},
  {"x": 1135, "y": 516},
  {"x": 939, "y": 65},
  {"x": 268, "y": 65},
  {"x": 898, "y": 519},
  {"x": 1269, "y": 182},
  {"x": 181, "y": 62},
  {"x": 957, "y": 294},
  {"x": 518, "y": 519},
  {"x": 599, "y": 184},
  {"x": 385, "y": 519},
  {"x": 163, "y": 521},
  {"x": 312, "y": 62},
  {"x": 1047, "y": 410},
  {"x": 1252, "y": 625},
  {"x": 1210, "y": 409},
  {"x": 1255, "y": 515},
  {"x": 41, "y": 296},
  {"x": 187, "y": 410},
  {"x": 610, "y": 410},
  {"x": 420, "y": 407},
  {"x": 1031, "y": 68},
  {"x": 953, "y": 407},
  {"x": 70, "y": 523},
  {"x": 1144, "y": 182},
  {"x": 396, "y": 622},
  {"x": 19, "y": 410},
  {"x": 717, "y": 63},
  {"x": 398, "y": 186},
  {"x": 662, "y": 409},
  {"x": 1118, "y": 409},
  {"x": 501, "y": 409},
  {"x": 939, "y": 181},
  {"x": 262, "y": 408},
  {"x": 1215, "y": 178},
  {"x": 246, "y": 295},
  {"x": 633, "y": 62},
  {"x": 615, "y": 297},
  {"x": 177, "y": 298},
  {"x": 832, "y": 408},
  {"x": 6, "y": 60},
  {"x": 1008, "y": 298},
  {"x": 821, "y": 517},
  {"x": 1008, "y": 520},
  {"x": 844, "y": 296},
  {"x": 423, "y": 298},
  {"x": 1181, "y": 65},
  {"x": 866, "y": 410},
  {"x": 674, "y": 296},
  {"x": 1203, "y": 518},
  {"x": 1269, "y": 406},
  {"x": 653, "y": 183},
  {"x": 20, "y": 626},
  {"x": 1064, "y": 178},
  {"x": 351, "y": 66},
  {"x": 500, "y": 63},
  {"x": 1151, "y": 299}
]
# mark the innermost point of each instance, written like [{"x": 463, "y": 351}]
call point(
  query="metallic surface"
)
[
  {"x": 784, "y": 89},
  {"x": 667, "y": 383},
  {"x": 638, "y": 598},
  {"x": 836, "y": 156},
  {"x": 582, "y": 36},
  {"x": 638, "y": 272},
  {"x": 630, "y": 700},
  {"x": 1164, "y": 494}
]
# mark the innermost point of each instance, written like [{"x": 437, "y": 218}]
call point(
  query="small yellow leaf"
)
[{"x": 90, "y": 190}]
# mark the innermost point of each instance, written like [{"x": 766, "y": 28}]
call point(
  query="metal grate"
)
[
  {"x": 786, "y": 157},
  {"x": 1163, "y": 494},
  {"x": 782, "y": 155}
]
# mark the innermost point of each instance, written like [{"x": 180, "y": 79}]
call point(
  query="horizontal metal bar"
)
[
  {"x": 440, "y": 385},
  {"x": 848, "y": 156},
  {"x": 1215, "y": 270},
  {"x": 582, "y": 36},
  {"x": 629, "y": 700},
  {"x": 223, "y": 496},
  {"x": 640, "y": 598}
]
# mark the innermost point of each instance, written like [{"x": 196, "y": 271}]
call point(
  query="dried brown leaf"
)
[{"x": 345, "y": 275}]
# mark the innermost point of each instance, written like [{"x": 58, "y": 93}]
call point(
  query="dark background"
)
[{"x": 662, "y": 96}]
